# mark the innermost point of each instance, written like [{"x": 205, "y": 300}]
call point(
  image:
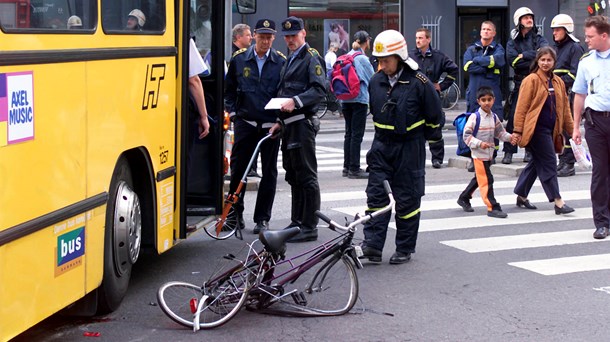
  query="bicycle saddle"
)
[{"x": 275, "y": 240}]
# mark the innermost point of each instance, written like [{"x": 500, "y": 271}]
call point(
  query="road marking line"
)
[
  {"x": 510, "y": 242},
  {"x": 566, "y": 265}
]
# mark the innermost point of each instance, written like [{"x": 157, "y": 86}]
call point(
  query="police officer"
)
[
  {"x": 520, "y": 52},
  {"x": 569, "y": 53},
  {"x": 592, "y": 91},
  {"x": 302, "y": 82},
  {"x": 251, "y": 82},
  {"x": 434, "y": 63},
  {"x": 406, "y": 109}
]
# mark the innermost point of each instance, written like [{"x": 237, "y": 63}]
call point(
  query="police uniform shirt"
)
[
  {"x": 593, "y": 78},
  {"x": 260, "y": 61}
]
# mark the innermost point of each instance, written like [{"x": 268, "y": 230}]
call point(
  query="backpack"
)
[
  {"x": 459, "y": 123},
  {"x": 344, "y": 81}
]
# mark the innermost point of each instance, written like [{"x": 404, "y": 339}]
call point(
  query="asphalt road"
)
[{"x": 534, "y": 276}]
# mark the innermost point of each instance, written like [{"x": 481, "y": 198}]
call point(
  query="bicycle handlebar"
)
[{"x": 334, "y": 225}]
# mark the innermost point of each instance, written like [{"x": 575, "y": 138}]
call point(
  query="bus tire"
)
[{"x": 122, "y": 237}]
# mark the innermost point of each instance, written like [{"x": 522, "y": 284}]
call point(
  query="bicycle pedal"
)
[{"x": 299, "y": 298}]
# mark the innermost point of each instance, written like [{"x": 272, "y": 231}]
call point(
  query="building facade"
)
[{"x": 454, "y": 24}]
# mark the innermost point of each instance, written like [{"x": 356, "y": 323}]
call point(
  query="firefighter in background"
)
[
  {"x": 406, "y": 112},
  {"x": 520, "y": 52},
  {"x": 434, "y": 63},
  {"x": 569, "y": 52},
  {"x": 135, "y": 20}
]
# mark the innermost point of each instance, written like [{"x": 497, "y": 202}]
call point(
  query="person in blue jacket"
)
[{"x": 484, "y": 61}]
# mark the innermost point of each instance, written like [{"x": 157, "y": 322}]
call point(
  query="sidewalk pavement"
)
[{"x": 333, "y": 123}]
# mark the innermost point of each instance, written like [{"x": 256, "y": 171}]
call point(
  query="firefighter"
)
[
  {"x": 434, "y": 63},
  {"x": 406, "y": 112},
  {"x": 520, "y": 52},
  {"x": 569, "y": 52}
]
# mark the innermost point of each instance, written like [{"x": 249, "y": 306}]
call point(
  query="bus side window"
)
[
  {"x": 134, "y": 17},
  {"x": 48, "y": 15}
]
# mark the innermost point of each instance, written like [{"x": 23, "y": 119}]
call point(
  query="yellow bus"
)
[{"x": 94, "y": 129}]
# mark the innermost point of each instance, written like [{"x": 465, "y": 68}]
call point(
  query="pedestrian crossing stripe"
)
[
  {"x": 510, "y": 242},
  {"x": 507, "y": 200},
  {"x": 557, "y": 266}
]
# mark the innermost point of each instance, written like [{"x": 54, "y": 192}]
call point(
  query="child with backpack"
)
[{"x": 479, "y": 132}]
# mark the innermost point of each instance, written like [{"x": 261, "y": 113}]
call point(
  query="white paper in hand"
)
[{"x": 275, "y": 103}]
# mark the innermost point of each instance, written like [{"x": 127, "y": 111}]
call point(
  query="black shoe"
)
[
  {"x": 497, "y": 214},
  {"x": 260, "y": 226},
  {"x": 304, "y": 236},
  {"x": 561, "y": 164},
  {"x": 567, "y": 170},
  {"x": 521, "y": 202},
  {"x": 400, "y": 258},
  {"x": 563, "y": 210},
  {"x": 371, "y": 253},
  {"x": 470, "y": 166},
  {"x": 508, "y": 158},
  {"x": 601, "y": 233},
  {"x": 465, "y": 204},
  {"x": 436, "y": 164},
  {"x": 344, "y": 173},
  {"x": 527, "y": 157},
  {"x": 360, "y": 174},
  {"x": 253, "y": 173}
]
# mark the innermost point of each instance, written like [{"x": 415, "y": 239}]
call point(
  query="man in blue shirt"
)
[{"x": 592, "y": 89}]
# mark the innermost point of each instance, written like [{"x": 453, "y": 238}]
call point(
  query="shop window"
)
[
  {"x": 48, "y": 16},
  {"x": 337, "y": 21},
  {"x": 133, "y": 17}
]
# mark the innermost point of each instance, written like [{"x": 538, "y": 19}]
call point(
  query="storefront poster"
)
[{"x": 337, "y": 30}]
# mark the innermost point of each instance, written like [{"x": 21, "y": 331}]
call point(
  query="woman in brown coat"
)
[{"x": 542, "y": 114}]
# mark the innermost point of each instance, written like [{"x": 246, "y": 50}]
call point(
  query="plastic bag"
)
[{"x": 582, "y": 156}]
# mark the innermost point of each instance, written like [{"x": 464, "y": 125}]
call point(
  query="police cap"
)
[
  {"x": 265, "y": 26},
  {"x": 292, "y": 25}
]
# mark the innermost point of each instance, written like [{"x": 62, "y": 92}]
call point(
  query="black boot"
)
[
  {"x": 508, "y": 158},
  {"x": 567, "y": 170}
]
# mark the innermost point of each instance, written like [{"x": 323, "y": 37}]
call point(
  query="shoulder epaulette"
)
[
  {"x": 421, "y": 77},
  {"x": 585, "y": 55},
  {"x": 313, "y": 52},
  {"x": 281, "y": 54},
  {"x": 239, "y": 51}
]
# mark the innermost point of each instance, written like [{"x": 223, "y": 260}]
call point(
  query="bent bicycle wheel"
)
[
  {"x": 227, "y": 225},
  {"x": 223, "y": 299},
  {"x": 328, "y": 289}
]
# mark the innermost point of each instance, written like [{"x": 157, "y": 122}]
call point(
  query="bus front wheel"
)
[{"x": 122, "y": 238}]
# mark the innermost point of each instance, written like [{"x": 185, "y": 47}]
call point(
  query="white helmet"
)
[
  {"x": 136, "y": 13},
  {"x": 565, "y": 21},
  {"x": 75, "y": 22},
  {"x": 521, "y": 11},
  {"x": 391, "y": 42}
]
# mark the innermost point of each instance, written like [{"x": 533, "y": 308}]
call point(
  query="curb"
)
[{"x": 511, "y": 170}]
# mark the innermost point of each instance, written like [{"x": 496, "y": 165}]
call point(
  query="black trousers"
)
[
  {"x": 542, "y": 165},
  {"x": 402, "y": 165},
  {"x": 437, "y": 147},
  {"x": 510, "y": 121},
  {"x": 246, "y": 138},
  {"x": 354, "y": 114},
  {"x": 299, "y": 161},
  {"x": 598, "y": 139}
]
